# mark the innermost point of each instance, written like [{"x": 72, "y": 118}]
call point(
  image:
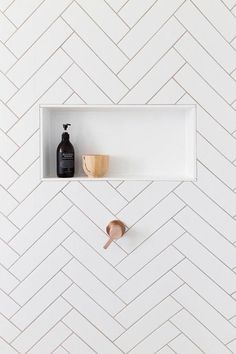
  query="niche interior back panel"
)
[{"x": 169, "y": 286}]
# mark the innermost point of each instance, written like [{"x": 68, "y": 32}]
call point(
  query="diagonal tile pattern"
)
[{"x": 170, "y": 286}]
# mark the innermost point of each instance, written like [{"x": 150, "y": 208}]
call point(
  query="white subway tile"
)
[
  {"x": 90, "y": 334},
  {"x": 154, "y": 245},
  {"x": 154, "y": 79},
  {"x": 207, "y": 262},
  {"x": 147, "y": 57},
  {"x": 103, "y": 15},
  {"x": 39, "y": 83},
  {"x": 89, "y": 31},
  {"x": 93, "y": 287},
  {"x": 149, "y": 274},
  {"x": 39, "y": 53},
  {"x": 34, "y": 203},
  {"x": 206, "y": 288},
  {"x": 41, "y": 326},
  {"x": 207, "y": 35},
  {"x": 36, "y": 254},
  {"x": 147, "y": 324},
  {"x": 43, "y": 273},
  {"x": 88, "y": 61},
  {"x": 151, "y": 22},
  {"x": 152, "y": 296},
  {"x": 94, "y": 262},
  {"x": 208, "y": 210},
  {"x": 207, "y": 67},
  {"x": 35, "y": 25},
  {"x": 93, "y": 312},
  {"x": 41, "y": 301}
]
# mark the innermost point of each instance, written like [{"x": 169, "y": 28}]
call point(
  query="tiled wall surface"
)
[{"x": 170, "y": 285}]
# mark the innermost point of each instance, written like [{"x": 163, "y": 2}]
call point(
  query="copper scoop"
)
[{"x": 115, "y": 230}]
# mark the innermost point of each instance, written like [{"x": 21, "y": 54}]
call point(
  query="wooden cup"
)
[{"x": 95, "y": 165}]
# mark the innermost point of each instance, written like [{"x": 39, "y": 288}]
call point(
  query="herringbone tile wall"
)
[{"x": 170, "y": 285}]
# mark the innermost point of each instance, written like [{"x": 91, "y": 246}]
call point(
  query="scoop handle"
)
[{"x": 107, "y": 244}]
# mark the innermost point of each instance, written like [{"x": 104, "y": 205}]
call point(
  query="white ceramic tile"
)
[
  {"x": 35, "y": 25},
  {"x": 38, "y": 54},
  {"x": 200, "y": 335},
  {"x": 213, "y": 214},
  {"x": 222, "y": 140},
  {"x": 206, "y": 97},
  {"x": 26, "y": 154},
  {"x": 7, "y": 330},
  {"x": 40, "y": 250},
  {"x": 145, "y": 201},
  {"x": 7, "y": 88},
  {"x": 40, "y": 82},
  {"x": 7, "y": 146},
  {"x": 40, "y": 223},
  {"x": 106, "y": 195},
  {"x": 20, "y": 10},
  {"x": 149, "y": 274},
  {"x": 9, "y": 202},
  {"x": 8, "y": 175},
  {"x": 207, "y": 67},
  {"x": 147, "y": 57},
  {"x": 146, "y": 325},
  {"x": 207, "y": 35},
  {"x": 35, "y": 202},
  {"x": 152, "y": 22},
  {"x": 150, "y": 222},
  {"x": 93, "y": 235},
  {"x": 205, "y": 314},
  {"x": 153, "y": 246},
  {"x": 155, "y": 79},
  {"x": 88, "y": 61},
  {"x": 94, "y": 262},
  {"x": 26, "y": 183},
  {"x": 93, "y": 312},
  {"x": 170, "y": 93},
  {"x": 182, "y": 345},
  {"x": 74, "y": 344},
  {"x": 52, "y": 339},
  {"x": 7, "y": 306},
  {"x": 6, "y": 28},
  {"x": 103, "y": 15},
  {"x": 7, "y": 59},
  {"x": 215, "y": 162},
  {"x": 133, "y": 10},
  {"x": 89, "y": 333},
  {"x": 101, "y": 294},
  {"x": 214, "y": 241},
  {"x": 218, "y": 16},
  {"x": 45, "y": 271},
  {"x": 8, "y": 230},
  {"x": 7, "y": 118},
  {"x": 8, "y": 281},
  {"x": 84, "y": 86},
  {"x": 206, "y": 288},
  {"x": 148, "y": 299},
  {"x": 42, "y": 325},
  {"x": 207, "y": 262},
  {"x": 89, "y": 31},
  {"x": 157, "y": 339},
  {"x": 41, "y": 301}
]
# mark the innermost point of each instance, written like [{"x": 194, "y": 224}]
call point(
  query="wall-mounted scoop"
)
[{"x": 115, "y": 230}]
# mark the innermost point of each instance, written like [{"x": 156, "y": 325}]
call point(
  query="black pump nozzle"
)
[{"x": 65, "y": 126}]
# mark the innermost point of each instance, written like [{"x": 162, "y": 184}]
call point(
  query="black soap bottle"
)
[{"x": 65, "y": 155}]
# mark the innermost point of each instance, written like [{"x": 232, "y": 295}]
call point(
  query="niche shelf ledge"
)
[{"x": 144, "y": 142}]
